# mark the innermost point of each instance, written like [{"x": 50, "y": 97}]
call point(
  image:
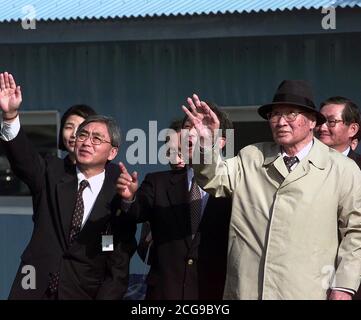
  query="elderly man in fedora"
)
[{"x": 295, "y": 230}]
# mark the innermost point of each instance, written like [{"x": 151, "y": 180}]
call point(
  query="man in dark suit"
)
[
  {"x": 176, "y": 162},
  {"x": 354, "y": 143},
  {"x": 80, "y": 248},
  {"x": 342, "y": 125},
  {"x": 355, "y": 157},
  {"x": 339, "y": 130},
  {"x": 189, "y": 256}
]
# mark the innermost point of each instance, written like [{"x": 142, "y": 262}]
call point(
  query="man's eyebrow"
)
[{"x": 98, "y": 134}]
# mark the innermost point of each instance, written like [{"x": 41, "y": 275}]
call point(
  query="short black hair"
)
[
  {"x": 81, "y": 110},
  {"x": 175, "y": 125},
  {"x": 111, "y": 124}
]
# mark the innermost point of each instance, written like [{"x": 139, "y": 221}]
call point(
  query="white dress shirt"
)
[
  {"x": 90, "y": 193},
  {"x": 9, "y": 130},
  {"x": 346, "y": 152},
  {"x": 300, "y": 155}
]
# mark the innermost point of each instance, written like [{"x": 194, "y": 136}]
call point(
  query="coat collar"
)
[
  {"x": 271, "y": 153},
  {"x": 318, "y": 154},
  {"x": 318, "y": 157}
]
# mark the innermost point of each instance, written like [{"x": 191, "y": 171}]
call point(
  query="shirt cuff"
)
[
  {"x": 9, "y": 130},
  {"x": 126, "y": 204}
]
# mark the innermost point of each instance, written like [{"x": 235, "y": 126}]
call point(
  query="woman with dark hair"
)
[{"x": 69, "y": 124}]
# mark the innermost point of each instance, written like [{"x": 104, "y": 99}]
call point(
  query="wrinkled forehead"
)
[
  {"x": 332, "y": 109},
  {"x": 96, "y": 128},
  {"x": 286, "y": 108}
]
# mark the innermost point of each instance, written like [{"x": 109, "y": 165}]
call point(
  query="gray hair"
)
[{"x": 111, "y": 124}]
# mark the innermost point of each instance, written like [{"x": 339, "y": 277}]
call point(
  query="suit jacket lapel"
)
[
  {"x": 66, "y": 196},
  {"x": 179, "y": 197}
]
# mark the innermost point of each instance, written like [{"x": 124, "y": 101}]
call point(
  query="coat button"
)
[{"x": 190, "y": 262}]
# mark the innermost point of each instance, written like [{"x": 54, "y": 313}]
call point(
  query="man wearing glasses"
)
[
  {"x": 80, "y": 247},
  {"x": 341, "y": 126},
  {"x": 295, "y": 230}
]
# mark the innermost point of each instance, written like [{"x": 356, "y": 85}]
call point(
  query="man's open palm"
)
[{"x": 10, "y": 94}]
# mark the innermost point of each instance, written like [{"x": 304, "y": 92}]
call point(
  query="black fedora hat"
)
[{"x": 293, "y": 92}]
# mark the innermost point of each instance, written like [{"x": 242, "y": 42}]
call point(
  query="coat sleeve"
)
[
  {"x": 218, "y": 177},
  {"x": 142, "y": 207},
  {"x": 25, "y": 161},
  {"x": 27, "y": 164},
  {"x": 348, "y": 266}
]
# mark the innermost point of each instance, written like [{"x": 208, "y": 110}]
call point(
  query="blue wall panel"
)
[{"x": 15, "y": 232}]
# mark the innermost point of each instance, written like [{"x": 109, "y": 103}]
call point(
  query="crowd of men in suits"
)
[{"x": 265, "y": 224}]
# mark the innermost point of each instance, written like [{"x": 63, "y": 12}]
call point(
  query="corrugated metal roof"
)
[{"x": 16, "y": 10}]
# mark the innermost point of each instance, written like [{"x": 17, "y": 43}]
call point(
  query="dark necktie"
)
[
  {"x": 289, "y": 162},
  {"x": 78, "y": 212},
  {"x": 195, "y": 206},
  {"x": 74, "y": 230},
  {"x": 54, "y": 283}
]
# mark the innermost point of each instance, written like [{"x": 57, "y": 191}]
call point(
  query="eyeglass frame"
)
[
  {"x": 284, "y": 115},
  {"x": 91, "y": 137},
  {"x": 335, "y": 122}
]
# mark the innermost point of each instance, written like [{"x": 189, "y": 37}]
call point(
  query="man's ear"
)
[
  {"x": 313, "y": 120},
  {"x": 112, "y": 153},
  {"x": 353, "y": 129}
]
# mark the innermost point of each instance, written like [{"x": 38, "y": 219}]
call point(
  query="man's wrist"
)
[
  {"x": 129, "y": 200},
  {"x": 126, "y": 204},
  {"x": 350, "y": 291},
  {"x": 9, "y": 116}
]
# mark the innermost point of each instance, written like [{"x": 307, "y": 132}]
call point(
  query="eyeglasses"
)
[
  {"x": 96, "y": 140},
  {"x": 289, "y": 116},
  {"x": 332, "y": 123}
]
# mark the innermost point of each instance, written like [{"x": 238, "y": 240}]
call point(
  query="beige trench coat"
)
[{"x": 285, "y": 227}]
